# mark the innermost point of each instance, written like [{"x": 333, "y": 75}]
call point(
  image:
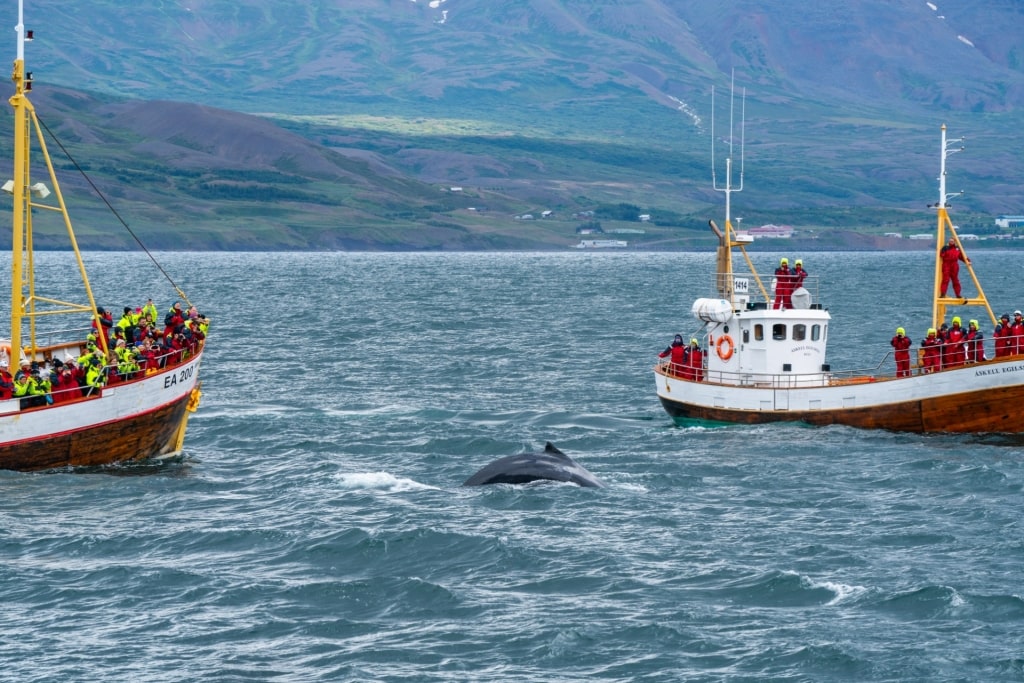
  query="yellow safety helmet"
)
[
  {"x": 694, "y": 341},
  {"x": 784, "y": 261},
  {"x": 931, "y": 330},
  {"x": 974, "y": 322},
  {"x": 900, "y": 330},
  {"x": 956, "y": 320},
  {"x": 799, "y": 262}
]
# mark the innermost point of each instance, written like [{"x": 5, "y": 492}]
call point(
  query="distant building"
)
[
  {"x": 525, "y": 217},
  {"x": 922, "y": 236},
  {"x": 967, "y": 237},
  {"x": 455, "y": 189},
  {"x": 1010, "y": 222},
  {"x": 546, "y": 214},
  {"x": 645, "y": 217},
  {"x": 601, "y": 244},
  {"x": 897, "y": 235},
  {"x": 771, "y": 232}
]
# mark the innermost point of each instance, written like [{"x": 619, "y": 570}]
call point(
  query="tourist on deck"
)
[
  {"x": 902, "y": 343},
  {"x": 1016, "y": 334},
  {"x": 6, "y": 382},
  {"x": 127, "y": 325},
  {"x": 149, "y": 311},
  {"x": 975, "y": 343},
  {"x": 941, "y": 335},
  {"x": 695, "y": 362},
  {"x": 1003, "y": 336},
  {"x": 676, "y": 353},
  {"x": 173, "y": 319},
  {"x": 951, "y": 255},
  {"x": 954, "y": 354},
  {"x": 783, "y": 286},
  {"x": 932, "y": 351},
  {"x": 799, "y": 274}
]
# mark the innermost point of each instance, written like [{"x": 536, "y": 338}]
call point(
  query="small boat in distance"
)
[
  {"x": 765, "y": 359},
  {"x": 74, "y": 395}
]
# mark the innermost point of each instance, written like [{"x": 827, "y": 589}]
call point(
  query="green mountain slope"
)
[{"x": 370, "y": 112}]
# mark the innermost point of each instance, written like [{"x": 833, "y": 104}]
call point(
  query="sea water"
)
[{"x": 316, "y": 527}]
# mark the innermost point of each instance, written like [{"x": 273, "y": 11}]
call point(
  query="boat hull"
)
[
  {"x": 131, "y": 421},
  {"x": 980, "y": 398}
]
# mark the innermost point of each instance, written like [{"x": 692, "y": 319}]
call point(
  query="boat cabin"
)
[{"x": 751, "y": 343}]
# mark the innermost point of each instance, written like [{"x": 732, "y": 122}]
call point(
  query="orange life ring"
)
[{"x": 726, "y": 342}]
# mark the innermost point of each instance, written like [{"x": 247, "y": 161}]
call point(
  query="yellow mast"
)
[
  {"x": 945, "y": 225},
  {"x": 23, "y": 289}
]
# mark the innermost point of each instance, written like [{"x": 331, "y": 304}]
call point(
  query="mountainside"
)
[{"x": 370, "y": 111}]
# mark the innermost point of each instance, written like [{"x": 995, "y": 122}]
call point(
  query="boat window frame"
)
[
  {"x": 759, "y": 331},
  {"x": 799, "y": 332},
  {"x": 779, "y": 331}
]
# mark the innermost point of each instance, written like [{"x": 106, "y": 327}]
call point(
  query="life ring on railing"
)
[{"x": 724, "y": 347}]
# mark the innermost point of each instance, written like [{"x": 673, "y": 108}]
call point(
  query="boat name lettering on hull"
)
[
  {"x": 996, "y": 371},
  {"x": 181, "y": 376}
]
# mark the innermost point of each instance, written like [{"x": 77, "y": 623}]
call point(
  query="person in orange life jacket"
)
[
  {"x": 676, "y": 353},
  {"x": 783, "y": 286},
  {"x": 799, "y": 274},
  {"x": 975, "y": 343},
  {"x": 695, "y": 361},
  {"x": 932, "y": 345},
  {"x": 1016, "y": 334},
  {"x": 950, "y": 255},
  {"x": 955, "y": 354},
  {"x": 902, "y": 343},
  {"x": 1002, "y": 335}
]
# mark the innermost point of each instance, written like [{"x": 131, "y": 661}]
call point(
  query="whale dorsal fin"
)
[{"x": 550, "y": 449}]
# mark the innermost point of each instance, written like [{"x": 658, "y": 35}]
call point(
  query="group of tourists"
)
[
  {"x": 686, "y": 361},
  {"x": 952, "y": 345},
  {"x": 788, "y": 281},
  {"x": 949, "y": 346},
  {"x": 114, "y": 352}
]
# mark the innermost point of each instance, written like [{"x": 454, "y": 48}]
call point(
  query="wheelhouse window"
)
[
  {"x": 759, "y": 332},
  {"x": 778, "y": 331},
  {"x": 815, "y": 332},
  {"x": 799, "y": 332}
]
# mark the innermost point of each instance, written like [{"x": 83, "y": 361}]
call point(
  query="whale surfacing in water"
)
[{"x": 552, "y": 464}]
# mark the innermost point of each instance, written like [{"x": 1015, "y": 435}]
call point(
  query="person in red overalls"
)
[
  {"x": 783, "y": 286},
  {"x": 954, "y": 353},
  {"x": 799, "y": 274},
  {"x": 695, "y": 361},
  {"x": 6, "y": 383},
  {"x": 677, "y": 353},
  {"x": 931, "y": 346},
  {"x": 951, "y": 257},
  {"x": 975, "y": 343},
  {"x": 1017, "y": 334},
  {"x": 1004, "y": 342},
  {"x": 902, "y": 343}
]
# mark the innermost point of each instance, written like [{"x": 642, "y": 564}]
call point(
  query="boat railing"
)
[
  {"x": 761, "y": 293},
  {"x": 885, "y": 370}
]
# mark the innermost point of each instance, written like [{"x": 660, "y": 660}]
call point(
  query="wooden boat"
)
[
  {"x": 766, "y": 364},
  {"x": 125, "y": 414}
]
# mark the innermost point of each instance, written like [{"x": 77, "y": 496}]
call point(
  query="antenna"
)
[{"x": 728, "y": 189}]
